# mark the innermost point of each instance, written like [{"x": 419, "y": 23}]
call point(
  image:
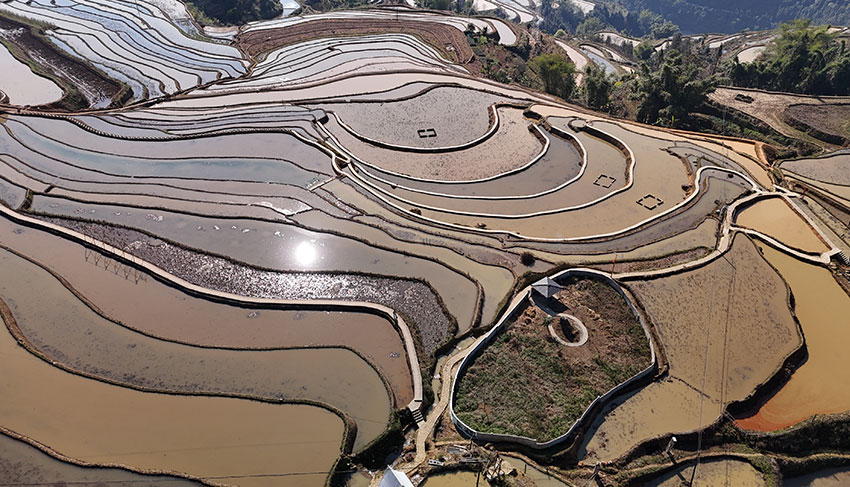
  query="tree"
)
[
  {"x": 670, "y": 93},
  {"x": 644, "y": 50},
  {"x": 596, "y": 88},
  {"x": 557, "y": 73}
]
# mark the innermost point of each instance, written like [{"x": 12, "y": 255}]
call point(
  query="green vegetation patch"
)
[
  {"x": 525, "y": 383},
  {"x": 234, "y": 12}
]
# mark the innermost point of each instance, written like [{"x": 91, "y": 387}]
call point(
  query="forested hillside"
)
[
  {"x": 699, "y": 16},
  {"x": 234, "y": 12}
]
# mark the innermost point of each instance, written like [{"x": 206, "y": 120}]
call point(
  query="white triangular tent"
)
[
  {"x": 547, "y": 287},
  {"x": 395, "y": 478}
]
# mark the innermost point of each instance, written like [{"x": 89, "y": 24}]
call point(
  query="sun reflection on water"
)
[{"x": 305, "y": 253}]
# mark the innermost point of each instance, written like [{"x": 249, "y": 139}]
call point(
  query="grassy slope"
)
[{"x": 527, "y": 384}]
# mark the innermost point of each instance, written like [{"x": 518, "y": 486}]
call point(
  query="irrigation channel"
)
[{"x": 264, "y": 259}]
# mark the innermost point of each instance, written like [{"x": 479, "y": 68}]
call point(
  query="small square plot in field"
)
[
  {"x": 604, "y": 180},
  {"x": 426, "y": 133},
  {"x": 650, "y": 202}
]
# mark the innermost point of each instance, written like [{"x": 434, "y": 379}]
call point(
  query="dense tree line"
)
[
  {"x": 700, "y": 16},
  {"x": 235, "y": 12},
  {"x": 641, "y": 23},
  {"x": 802, "y": 59}
]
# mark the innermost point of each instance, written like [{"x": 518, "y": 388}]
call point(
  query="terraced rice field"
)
[
  {"x": 719, "y": 473},
  {"x": 266, "y": 251},
  {"x": 821, "y": 307},
  {"x": 712, "y": 362},
  {"x": 776, "y": 218}
]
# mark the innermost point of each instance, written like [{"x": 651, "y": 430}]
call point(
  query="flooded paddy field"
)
[
  {"x": 279, "y": 246},
  {"x": 833, "y": 169},
  {"x": 64, "y": 330},
  {"x": 180, "y": 317},
  {"x": 321, "y": 60},
  {"x": 92, "y": 421},
  {"x": 148, "y": 53},
  {"x": 712, "y": 361},
  {"x": 23, "y": 87},
  {"x": 776, "y": 218},
  {"x": 832, "y": 477},
  {"x": 816, "y": 387},
  {"x": 414, "y": 299},
  {"x": 23, "y": 463},
  {"x": 402, "y": 119},
  {"x": 478, "y": 160},
  {"x": 712, "y": 473}
]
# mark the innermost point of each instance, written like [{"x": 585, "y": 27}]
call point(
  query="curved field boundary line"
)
[
  {"x": 592, "y": 408},
  {"x": 429, "y": 150},
  {"x": 454, "y": 226},
  {"x": 47, "y": 450},
  {"x": 563, "y": 185},
  {"x": 316, "y": 304},
  {"x": 525, "y": 166}
]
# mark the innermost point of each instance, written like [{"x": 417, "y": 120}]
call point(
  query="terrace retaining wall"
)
[{"x": 583, "y": 421}]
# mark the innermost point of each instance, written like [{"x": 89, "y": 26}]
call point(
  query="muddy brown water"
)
[
  {"x": 201, "y": 436},
  {"x": 279, "y": 246},
  {"x": 398, "y": 122},
  {"x": 511, "y": 147},
  {"x": 688, "y": 310},
  {"x": 832, "y": 477},
  {"x": 560, "y": 164},
  {"x": 68, "y": 332},
  {"x": 184, "y": 318},
  {"x": 775, "y": 218},
  {"x": 819, "y": 386},
  {"x": 455, "y": 479},
  {"x": 23, "y": 464},
  {"x": 712, "y": 473}
]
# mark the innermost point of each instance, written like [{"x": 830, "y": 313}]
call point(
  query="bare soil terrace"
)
[{"x": 445, "y": 38}]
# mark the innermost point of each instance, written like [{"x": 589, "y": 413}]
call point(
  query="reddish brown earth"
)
[{"x": 447, "y": 39}]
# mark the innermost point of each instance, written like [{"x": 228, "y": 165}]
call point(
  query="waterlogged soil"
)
[
  {"x": 280, "y": 246},
  {"x": 725, "y": 329},
  {"x": 23, "y": 464},
  {"x": 775, "y": 218},
  {"x": 415, "y": 300},
  {"x": 511, "y": 147},
  {"x": 117, "y": 290},
  {"x": 833, "y": 477},
  {"x": 68, "y": 332},
  {"x": 667, "y": 405},
  {"x": 399, "y": 122},
  {"x": 713, "y": 473},
  {"x": 455, "y": 479},
  {"x": 526, "y": 384},
  {"x": 97, "y": 422},
  {"x": 832, "y": 169},
  {"x": 740, "y": 304},
  {"x": 819, "y": 386}
]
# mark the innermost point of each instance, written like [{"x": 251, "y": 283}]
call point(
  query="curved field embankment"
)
[
  {"x": 100, "y": 423},
  {"x": 450, "y": 41},
  {"x": 23, "y": 460},
  {"x": 614, "y": 326},
  {"x": 726, "y": 328},
  {"x": 97, "y": 90},
  {"x": 817, "y": 387},
  {"x": 829, "y": 123}
]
